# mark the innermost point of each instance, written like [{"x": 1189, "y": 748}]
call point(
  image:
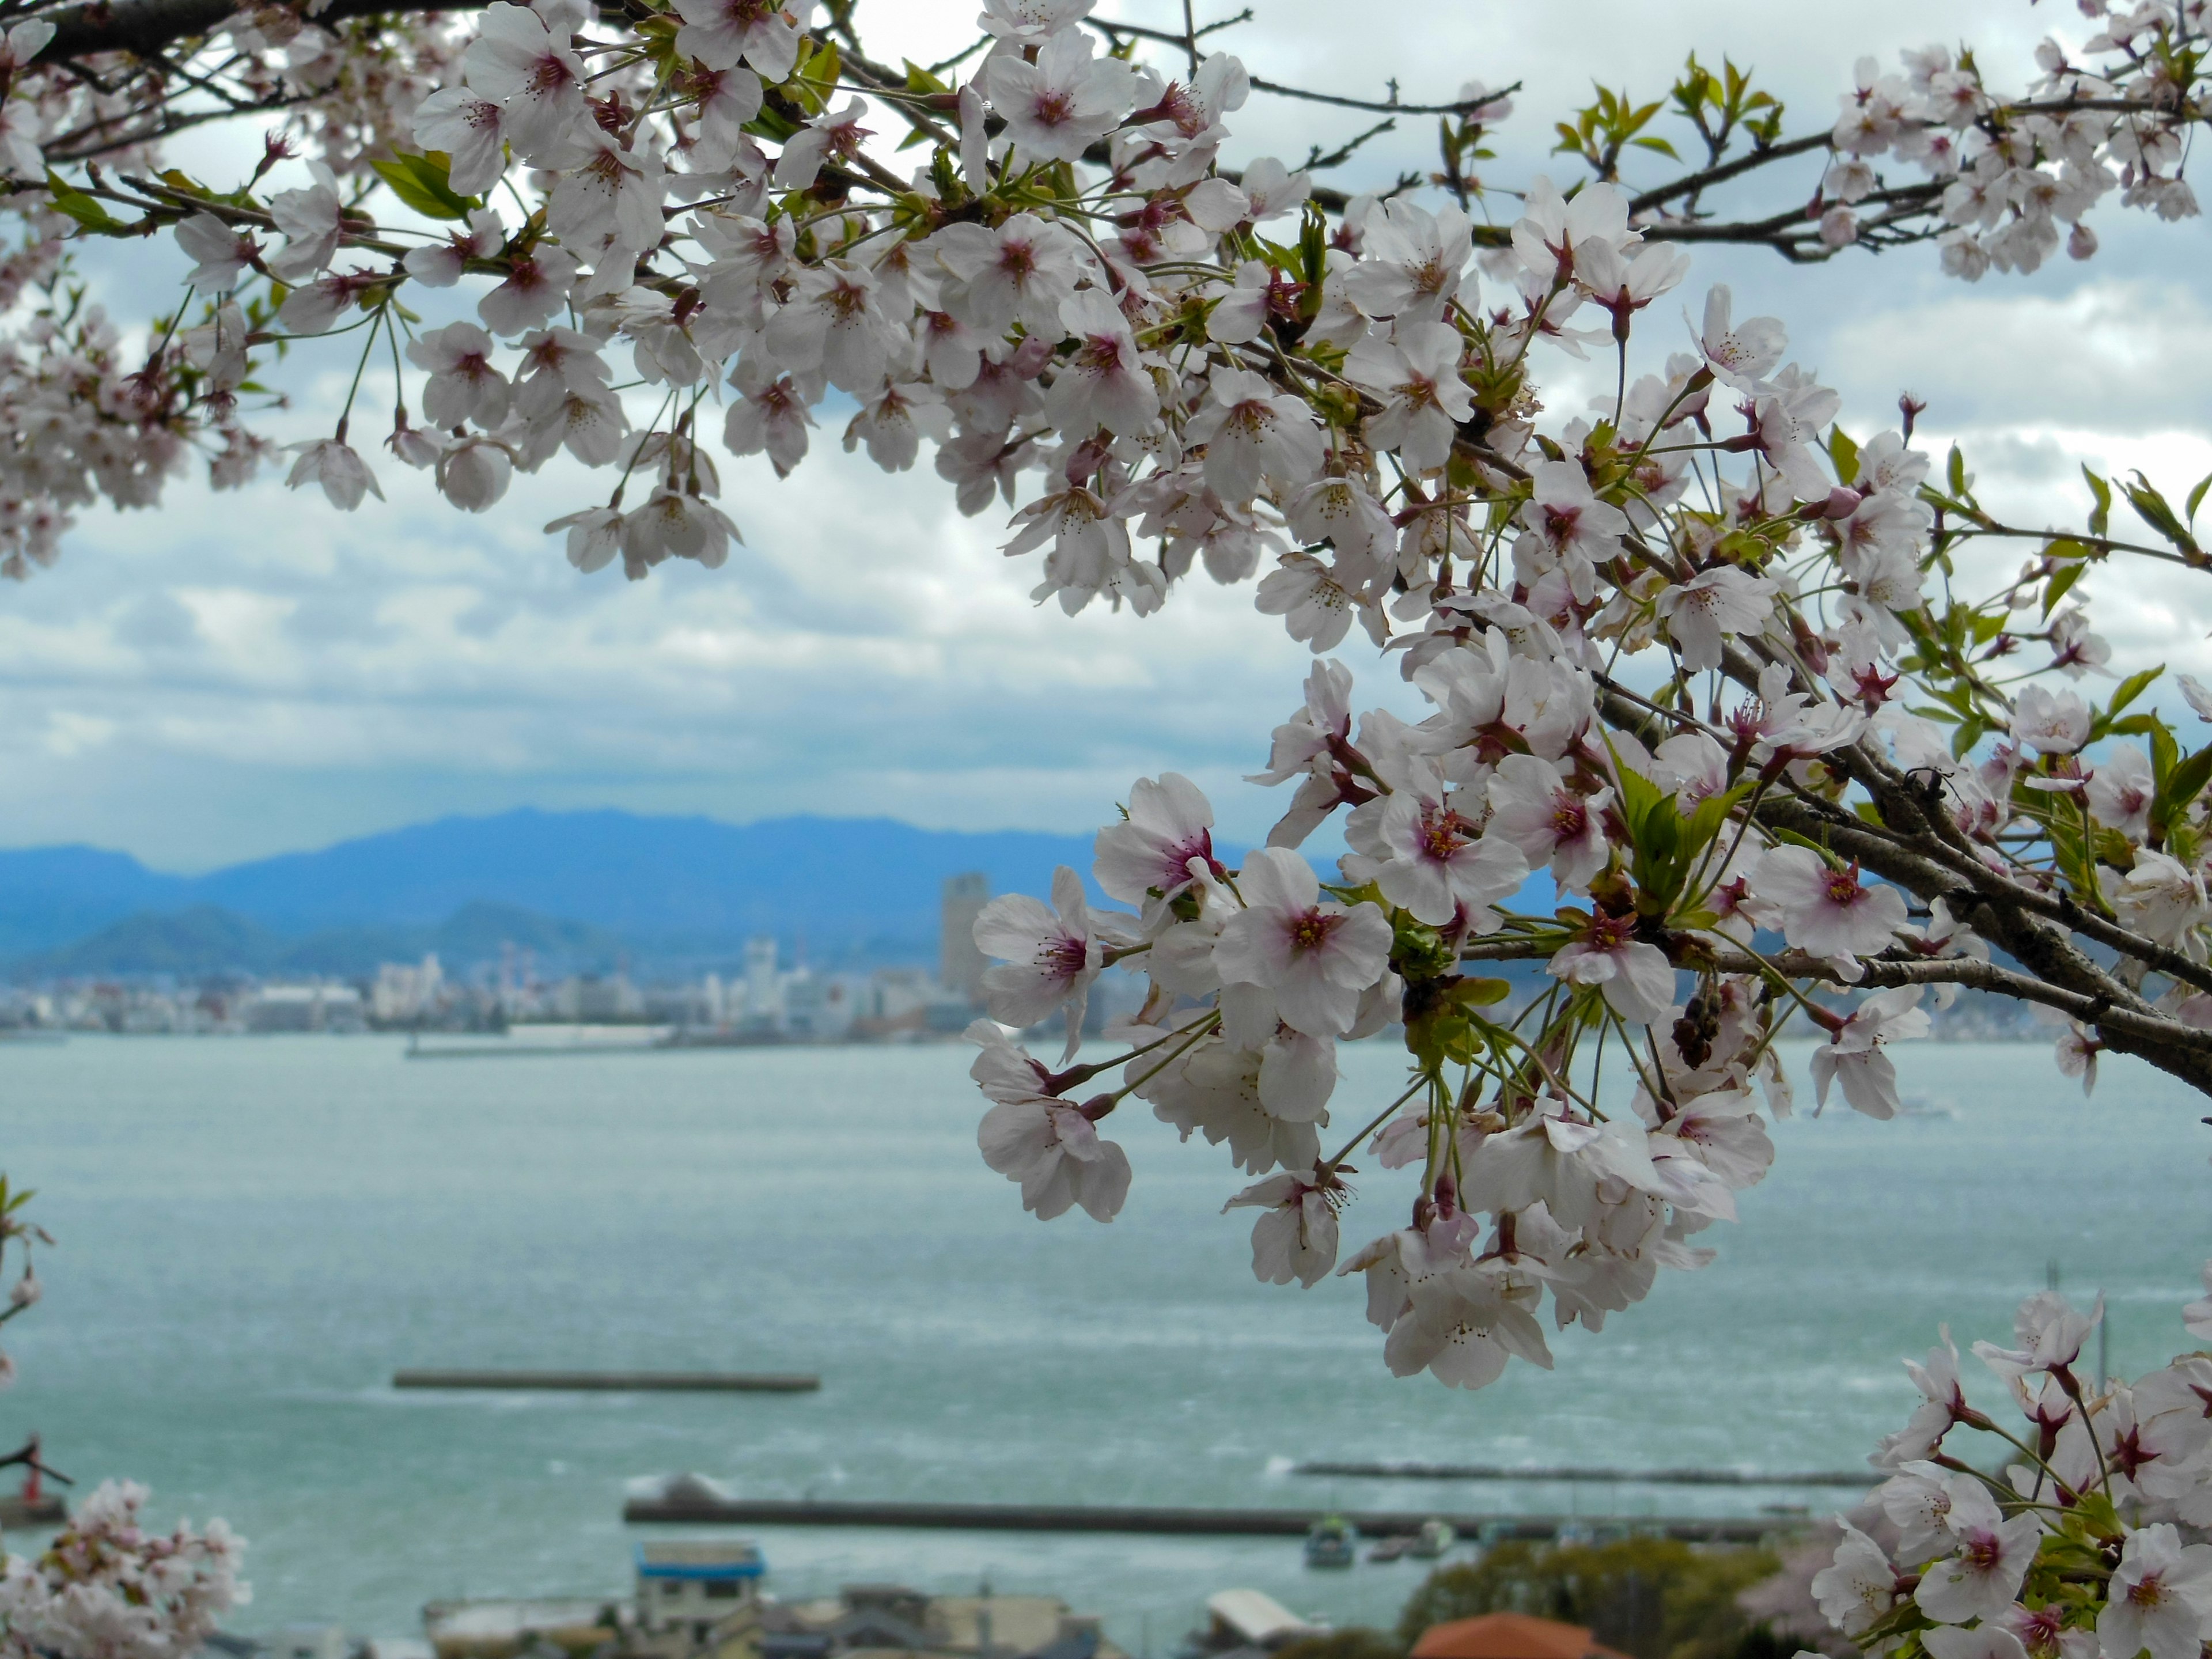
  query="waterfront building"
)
[
  {"x": 695, "y": 1584},
  {"x": 959, "y": 964},
  {"x": 405, "y": 992},
  {"x": 315, "y": 1007},
  {"x": 763, "y": 984}
]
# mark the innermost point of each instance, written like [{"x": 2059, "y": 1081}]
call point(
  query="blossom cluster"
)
[
  {"x": 106, "y": 1587},
  {"x": 690, "y": 211},
  {"x": 109, "y": 1589},
  {"x": 2086, "y": 1542},
  {"x": 2007, "y": 188}
]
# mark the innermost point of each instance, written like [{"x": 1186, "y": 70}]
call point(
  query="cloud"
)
[{"x": 234, "y": 675}]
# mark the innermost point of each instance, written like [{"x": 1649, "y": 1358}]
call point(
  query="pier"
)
[
  {"x": 698, "y": 1510},
  {"x": 614, "y": 1382},
  {"x": 1854, "y": 1478}
]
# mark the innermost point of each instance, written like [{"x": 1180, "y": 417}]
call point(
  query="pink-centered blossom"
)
[
  {"x": 2159, "y": 1599},
  {"x": 1048, "y": 956},
  {"x": 1635, "y": 979},
  {"x": 1826, "y": 910},
  {"x": 1315, "y": 954}
]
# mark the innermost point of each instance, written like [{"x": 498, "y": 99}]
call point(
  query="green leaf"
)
[
  {"x": 2055, "y": 590},
  {"x": 2197, "y": 496},
  {"x": 2101, "y": 519},
  {"x": 1473, "y": 993},
  {"x": 423, "y": 183},
  {"x": 1955, "y": 472},
  {"x": 83, "y": 208},
  {"x": 1844, "y": 453},
  {"x": 2131, "y": 688},
  {"x": 2164, "y": 751},
  {"x": 2183, "y": 785}
]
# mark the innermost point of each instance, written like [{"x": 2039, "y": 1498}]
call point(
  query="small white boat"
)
[{"x": 1436, "y": 1536}]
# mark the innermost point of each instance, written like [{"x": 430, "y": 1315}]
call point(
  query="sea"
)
[{"x": 253, "y": 1233}]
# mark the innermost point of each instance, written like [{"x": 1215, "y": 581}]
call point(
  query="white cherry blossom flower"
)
[
  {"x": 2121, "y": 791},
  {"x": 1104, "y": 383},
  {"x": 1565, "y": 527},
  {"x": 1703, "y": 612},
  {"x": 1023, "y": 271},
  {"x": 2053, "y": 724},
  {"x": 1413, "y": 372},
  {"x": 1828, "y": 911},
  {"x": 764, "y": 33},
  {"x": 222, "y": 251},
  {"x": 1053, "y": 1150},
  {"x": 1635, "y": 979},
  {"x": 1147, "y": 859},
  {"x": 1251, "y": 432},
  {"x": 538, "y": 80},
  {"x": 1315, "y": 954},
  {"x": 1297, "y": 1236},
  {"x": 1059, "y": 105},
  {"x": 469, "y": 128},
  {"x": 463, "y": 386},
  {"x": 2160, "y": 1597},
  {"x": 1982, "y": 1580},
  {"x": 1048, "y": 956},
  {"x": 1859, "y": 1588},
  {"x": 1739, "y": 354},
  {"x": 1853, "y": 1054},
  {"x": 1413, "y": 262},
  {"x": 1532, "y": 807},
  {"x": 331, "y": 463}
]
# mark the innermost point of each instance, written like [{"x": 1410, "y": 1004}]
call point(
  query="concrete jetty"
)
[
  {"x": 1855, "y": 1478},
  {"x": 698, "y": 1508},
  {"x": 614, "y": 1382}
]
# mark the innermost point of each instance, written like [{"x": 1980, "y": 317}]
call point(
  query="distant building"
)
[
  {"x": 820, "y": 1010},
  {"x": 695, "y": 1582},
  {"x": 959, "y": 964},
  {"x": 404, "y": 992},
  {"x": 764, "y": 985},
  {"x": 305, "y": 1008},
  {"x": 587, "y": 997}
]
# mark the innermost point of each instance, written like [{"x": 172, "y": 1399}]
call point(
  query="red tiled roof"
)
[{"x": 1509, "y": 1636}]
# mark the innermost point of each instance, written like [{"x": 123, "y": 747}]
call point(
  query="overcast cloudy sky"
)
[{"x": 237, "y": 675}]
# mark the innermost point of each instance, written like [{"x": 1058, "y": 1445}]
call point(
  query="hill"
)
[{"x": 573, "y": 887}]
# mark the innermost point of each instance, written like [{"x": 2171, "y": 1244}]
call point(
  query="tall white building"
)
[
  {"x": 405, "y": 992},
  {"x": 959, "y": 964},
  {"x": 763, "y": 984}
]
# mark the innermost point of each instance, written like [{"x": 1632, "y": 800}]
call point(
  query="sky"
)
[{"x": 232, "y": 676}]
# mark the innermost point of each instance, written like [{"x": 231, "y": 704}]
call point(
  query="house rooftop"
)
[{"x": 700, "y": 1557}]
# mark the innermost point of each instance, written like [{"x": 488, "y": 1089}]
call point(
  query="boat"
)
[
  {"x": 1435, "y": 1537},
  {"x": 1390, "y": 1549},
  {"x": 1331, "y": 1544}
]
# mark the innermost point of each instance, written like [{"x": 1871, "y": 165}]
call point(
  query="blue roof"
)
[{"x": 750, "y": 1567}]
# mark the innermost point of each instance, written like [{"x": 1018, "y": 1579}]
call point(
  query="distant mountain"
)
[
  {"x": 203, "y": 939},
  {"x": 569, "y": 886},
  {"x": 207, "y": 940}
]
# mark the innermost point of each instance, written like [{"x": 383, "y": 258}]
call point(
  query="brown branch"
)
[{"x": 147, "y": 26}]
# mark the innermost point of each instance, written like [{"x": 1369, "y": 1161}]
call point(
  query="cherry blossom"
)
[
  {"x": 1315, "y": 954},
  {"x": 1853, "y": 1054},
  {"x": 1297, "y": 1236},
  {"x": 1828, "y": 911},
  {"x": 1049, "y": 957},
  {"x": 2161, "y": 1598}
]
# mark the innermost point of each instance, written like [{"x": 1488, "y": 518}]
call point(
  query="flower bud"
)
[
  {"x": 25, "y": 1291},
  {"x": 2082, "y": 243},
  {"x": 1842, "y": 502}
]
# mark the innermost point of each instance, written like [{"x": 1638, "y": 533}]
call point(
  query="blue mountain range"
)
[{"x": 579, "y": 884}]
